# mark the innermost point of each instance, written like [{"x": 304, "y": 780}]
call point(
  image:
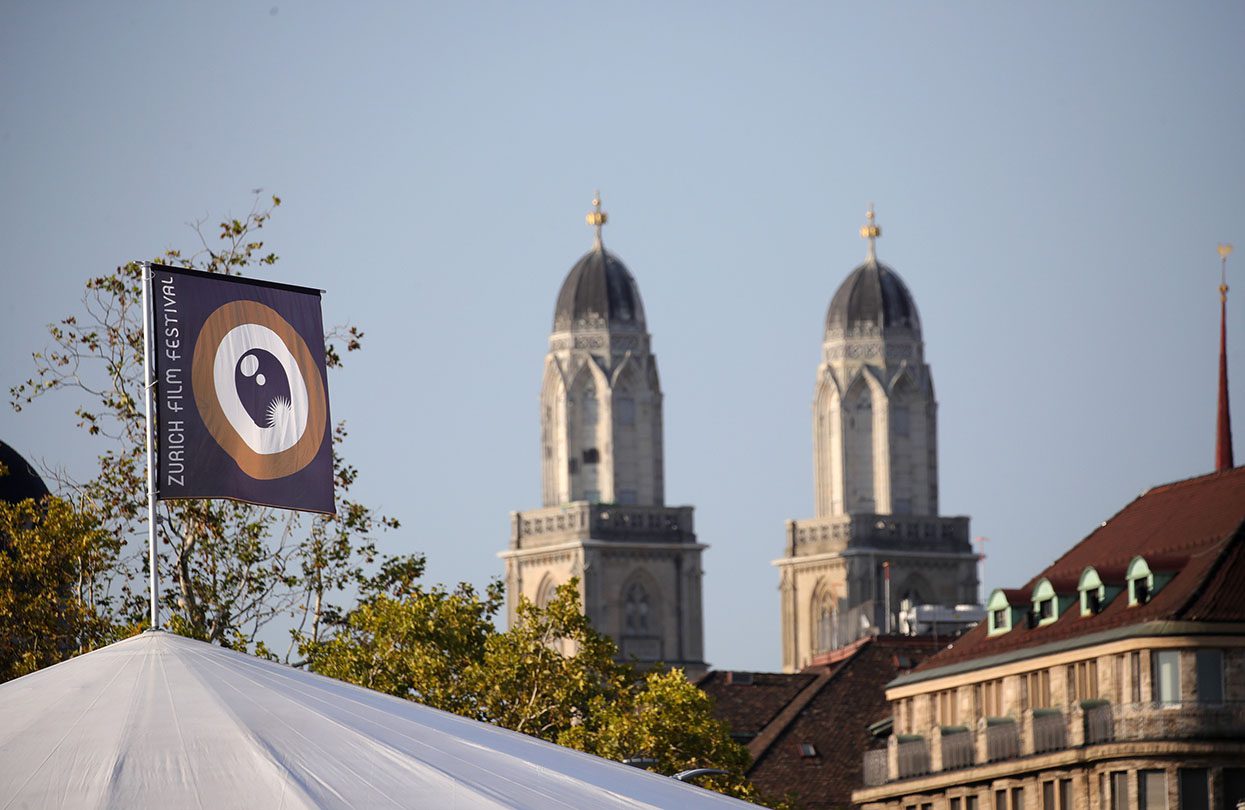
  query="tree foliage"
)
[
  {"x": 551, "y": 675},
  {"x": 227, "y": 568},
  {"x": 55, "y": 565}
]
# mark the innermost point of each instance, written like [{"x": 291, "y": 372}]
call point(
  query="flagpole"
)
[{"x": 151, "y": 479}]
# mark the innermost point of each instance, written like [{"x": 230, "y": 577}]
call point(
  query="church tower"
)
[
  {"x": 877, "y": 542},
  {"x": 604, "y": 518}
]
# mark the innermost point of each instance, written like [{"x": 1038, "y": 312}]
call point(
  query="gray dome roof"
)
[
  {"x": 873, "y": 296},
  {"x": 22, "y": 482},
  {"x": 599, "y": 286}
]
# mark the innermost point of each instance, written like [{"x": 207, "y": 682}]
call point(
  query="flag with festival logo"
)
[{"x": 241, "y": 390}]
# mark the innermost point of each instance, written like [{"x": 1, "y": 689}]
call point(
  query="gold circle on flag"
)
[{"x": 260, "y": 466}]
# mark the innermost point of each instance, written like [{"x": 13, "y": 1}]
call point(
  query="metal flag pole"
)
[{"x": 148, "y": 384}]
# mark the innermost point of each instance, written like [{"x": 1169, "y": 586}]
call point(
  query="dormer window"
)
[
  {"x": 1047, "y": 603},
  {"x": 1140, "y": 582},
  {"x": 1001, "y": 613},
  {"x": 1095, "y": 595}
]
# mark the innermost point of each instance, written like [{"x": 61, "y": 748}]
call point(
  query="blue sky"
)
[{"x": 1051, "y": 179}]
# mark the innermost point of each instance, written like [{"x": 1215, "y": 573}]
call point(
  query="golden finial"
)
[
  {"x": 871, "y": 231},
  {"x": 596, "y": 217},
  {"x": 1224, "y": 250}
]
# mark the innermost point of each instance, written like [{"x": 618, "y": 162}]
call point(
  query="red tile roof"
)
[
  {"x": 827, "y": 706},
  {"x": 1194, "y": 529}
]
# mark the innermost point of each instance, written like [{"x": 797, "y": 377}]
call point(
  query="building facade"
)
[
  {"x": 1113, "y": 679},
  {"x": 877, "y": 544},
  {"x": 604, "y": 519}
]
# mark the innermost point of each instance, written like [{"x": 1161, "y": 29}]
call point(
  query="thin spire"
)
[
  {"x": 871, "y": 231},
  {"x": 1223, "y": 427},
  {"x": 596, "y": 218}
]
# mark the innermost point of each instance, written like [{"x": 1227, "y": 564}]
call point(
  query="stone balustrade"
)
[
  {"x": 553, "y": 525},
  {"x": 835, "y": 533},
  {"x": 1042, "y": 731}
]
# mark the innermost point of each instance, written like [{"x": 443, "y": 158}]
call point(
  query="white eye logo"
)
[
  {"x": 282, "y": 418},
  {"x": 259, "y": 390}
]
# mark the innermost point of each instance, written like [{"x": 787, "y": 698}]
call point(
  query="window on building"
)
[
  {"x": 592, "y": 456},
  {"x": 1134, "y": 663},
  {"x": 1065, "y": 794},
  {"x": 990, "y": 698},
  {"x": 588, "y": 406},
  {"x": 1093, "y": 592},
  {"x": 1140, "y": 582},
  {"x": 1165, "y": 678},
  {"x": 1119, "y": 790},
  {"x": 970, "y": 803},
  {"x": 1037, "y": 686},
  {"x": 1194, "y": 791},
  {"x": 636, "y": 610},
  {"x": 808, "y": 750},
  {"x": 900, "y": 420},
  {"x": 954, "y": 803},
  {"x": 1152, "y": 790},
  {"x": 1210, "y": 676},
  {"x": 1083, "y": 680},
  {"x": 624, "y": 407},
  {"x": 946, "y": 708},
  {"x": 1048, "y": 796},
  {"x": 1018, "y": 798},
  {"x": 1233, "y": 786},
  {"x": 572, "y": 466},
  {"x": 1000, "y": 800},
  {"x": 999, "y": 612}
]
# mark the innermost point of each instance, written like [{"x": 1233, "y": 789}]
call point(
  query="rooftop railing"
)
[
  {"x": 1053, "y": 730},
  {"x": 957, "y": 749},
  {"x": 1002, "y": 739},
  {"x": 875, "y": 767},
  {"x": 1050, "y": 730},
  {"x": 913, "y": 757}
]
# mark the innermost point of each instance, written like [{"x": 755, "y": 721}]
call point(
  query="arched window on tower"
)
[
  {"x": 905, "y": 438},
  {"x": 584, "y": 455},
  {"x": 858, "y": 447},
  {"x": 588, "y": 405},
  {"x": 827, "y": 620},
  {"x": 547, "y": 593},
  {"x": 636, "y": 611},
  {"x": 824, "y": 618}
]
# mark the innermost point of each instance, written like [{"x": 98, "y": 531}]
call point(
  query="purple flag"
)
[{"x": 241, "y": 391}]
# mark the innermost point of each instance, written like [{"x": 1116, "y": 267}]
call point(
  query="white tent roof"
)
[{"x": 164, "y": 721}]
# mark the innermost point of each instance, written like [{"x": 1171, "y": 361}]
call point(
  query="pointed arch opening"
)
[
  {"x": 627, "y": 438},
  {"x": 640, "y": 613},
  {"x": 547, "y": 591},
  {"x": 584, "y": 456},
  {"x": 825, "y": 619},
  {"x": 858, "y": 447}
]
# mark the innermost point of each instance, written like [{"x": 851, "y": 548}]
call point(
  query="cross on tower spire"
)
[
  {"x": 871, "y": 231},
  {"x": 596, "y": 218}
]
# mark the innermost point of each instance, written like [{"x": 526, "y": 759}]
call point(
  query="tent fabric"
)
[{"x": 159, "y": 720}]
